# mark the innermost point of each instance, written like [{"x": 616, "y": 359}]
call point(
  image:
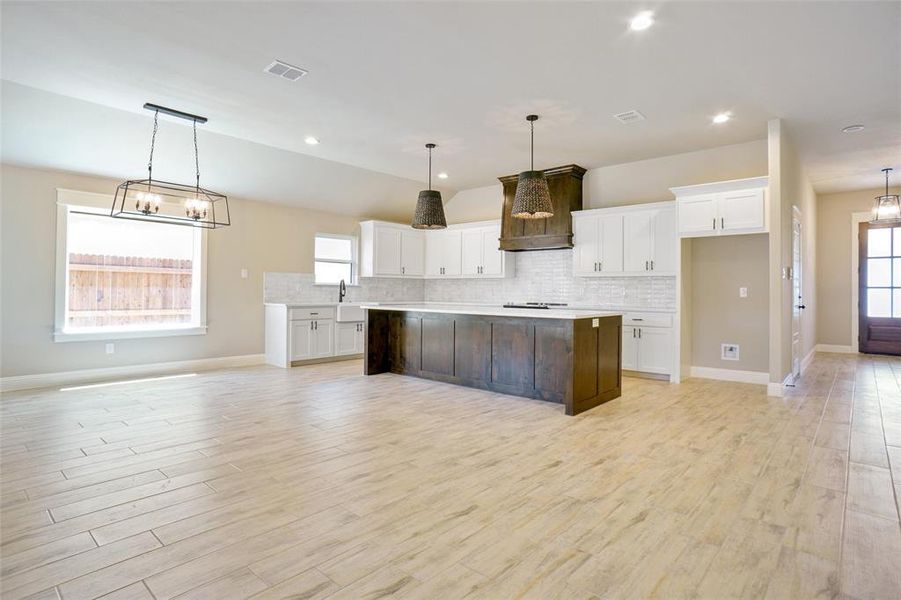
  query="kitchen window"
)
[
  {"x": 120, "y": 278},
  {"x": 334, "y": 259}
]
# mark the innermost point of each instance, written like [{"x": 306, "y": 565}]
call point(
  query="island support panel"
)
[{"x": 574, "y": 362}]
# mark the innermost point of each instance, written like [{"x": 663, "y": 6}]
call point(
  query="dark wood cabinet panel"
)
[
  {"x": 565, "y": 186},
  {"x": 575, "y": 362},
  {"x": 512, "y": 351},
  {"x": 472, "y": 349},
  {"x": 437, "y": 353}
]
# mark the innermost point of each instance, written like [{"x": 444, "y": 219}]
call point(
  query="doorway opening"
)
[{"x": 879, "y": 288}]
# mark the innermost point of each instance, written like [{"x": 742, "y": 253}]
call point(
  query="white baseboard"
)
[
  {"x": 760, "y": 377},
  {"x": 835, "y": 348},
  {"x": 807, "y": 359},
  {"x": 27, "y": 382}
]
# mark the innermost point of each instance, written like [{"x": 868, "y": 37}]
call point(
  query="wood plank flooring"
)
[{"x": 316, "y": 482}]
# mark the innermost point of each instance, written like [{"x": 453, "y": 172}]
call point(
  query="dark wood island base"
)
[{"x": 575, "y": 362}]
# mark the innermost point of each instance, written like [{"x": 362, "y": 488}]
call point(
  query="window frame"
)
[
  {"x": 353, "y": 262},
  {"x": 88, "y": 202}
]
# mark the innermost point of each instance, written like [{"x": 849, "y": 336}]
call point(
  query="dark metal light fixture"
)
[
  {"x": 166, "y": 202},
  {"x": 533, "y": 199},
  {"x": 429, "y": 208},
  {"x": 886, "y": 207}
]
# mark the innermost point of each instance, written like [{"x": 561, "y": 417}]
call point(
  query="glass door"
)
[{"x": 880, "y": 288}]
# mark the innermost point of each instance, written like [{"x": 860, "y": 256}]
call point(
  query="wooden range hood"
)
[{"x": 565, "y": 185}]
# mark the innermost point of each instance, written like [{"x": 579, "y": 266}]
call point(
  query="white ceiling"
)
[{"x": 387, "y": 77}]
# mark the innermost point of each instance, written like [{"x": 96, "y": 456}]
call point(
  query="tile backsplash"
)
[{"x": 544, "y": 276}]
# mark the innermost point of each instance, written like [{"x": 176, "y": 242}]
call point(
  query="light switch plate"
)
[
  {"x": 110, "y": 348},
  {"x": 595, "y": 322},
  {"x": 243, "y": 273},
  {"x": 742, "y": 292}
]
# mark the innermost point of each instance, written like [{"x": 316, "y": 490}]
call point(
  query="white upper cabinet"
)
[
  {"x": 466, "y": 250},
  {"x": 722, "y": 208},
  {"x": 631, "y": 240}
]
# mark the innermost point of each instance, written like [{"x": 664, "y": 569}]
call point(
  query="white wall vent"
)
[
  {"x": 630, "y": 116},
  {"x": 286, "y": 71}
]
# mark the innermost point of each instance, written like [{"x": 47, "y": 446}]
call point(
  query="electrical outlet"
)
[
  {"x": 110, "y": 348},
  {"x": 243, "y": 273},
  {"x": 729, "y": 351},
  {"x": 742, "y": 292}
]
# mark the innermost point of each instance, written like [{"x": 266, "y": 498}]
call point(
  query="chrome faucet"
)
[{"x": 342, "y": 291}]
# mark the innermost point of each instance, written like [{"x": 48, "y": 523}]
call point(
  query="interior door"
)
[
  {"x": 879, "y": 300},
  {"x": 740, "y": 210},
  {"x": 637, "y": 242},
  {"x": 492, "y": 255},
  {"x": 610, "y": 256},
  {"x": 798, "y": 300},
  {"x": 412, "y": 252},
  {"x": 471, "y": 252},
  {"x": 387, "y": 251},
  {"x": 663, "y": 242},
  {"x": 586, "y": 240}
]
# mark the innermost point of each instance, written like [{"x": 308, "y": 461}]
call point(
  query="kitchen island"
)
[{"x": 571, "y": 357}]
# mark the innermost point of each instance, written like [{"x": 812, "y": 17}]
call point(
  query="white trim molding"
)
[
  {"x": 808, "y": 359},
  {"x": 835, "y": 348},
  {"x": 856, "y": 219},
  {"x": 758, "y": 377},
  {"x": 38, "y": 380}
]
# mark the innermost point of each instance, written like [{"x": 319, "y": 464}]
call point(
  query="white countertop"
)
[{"x": 494, "y": 310}]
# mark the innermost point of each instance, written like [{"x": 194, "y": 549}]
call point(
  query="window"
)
[
  {"x": 119, "y": 278},
  {"x": 334, "y": 259},
  {"x": 883, "y": 272}
]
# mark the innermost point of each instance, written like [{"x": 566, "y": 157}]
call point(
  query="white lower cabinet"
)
[
  {"x": 312, "y": 339},
  {"x": 348, "y": 338},
  {"x": 648, "y": 343}
]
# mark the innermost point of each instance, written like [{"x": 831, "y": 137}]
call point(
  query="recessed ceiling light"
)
[
  {"x": 721, "y": 118},
  {"x": 642, "y": 20},
  {"x": 312, "y": 141},
  {"x": 852, "y": 128},
  {"x": 442, "y": 175}
]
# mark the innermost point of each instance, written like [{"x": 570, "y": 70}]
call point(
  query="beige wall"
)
[
  {"x": 264, "y": 237},
  {"x": 719, "y": 267},
  {"x": 834, "y": 277},
  {"x": 631, "y": 183}
]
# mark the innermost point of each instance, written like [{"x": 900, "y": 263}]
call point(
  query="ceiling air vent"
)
[
  {"x": 286, "y": 71},
  {"x": 630, "y": 116}
]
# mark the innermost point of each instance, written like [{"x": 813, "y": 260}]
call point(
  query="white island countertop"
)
[{"x": 493, "y": 310}]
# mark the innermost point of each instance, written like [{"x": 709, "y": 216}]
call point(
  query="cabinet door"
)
[
  {"x": 663, "y": 242},
  {"x": 451, "y": 249},
  {"x": 412, "y": 252},
  {"x": 301, "y": 340},
  {"x": 471, "y": 252},
  {"x": 586, "y": 245},
  {"x": 697, "y": 215},
  {"x": 655, "y": 350},
  {"x": 492, "y": 255},
  {"x": 434, "y": 254},
  {"x": 387, "y": 251},
  {"x": 610, "y": 254},
  {"x": 346, "y": 335},
  {"x": 360, "y": 339},
  {"x": 637, "y": 242},
  {"x": 630, "y": 348},
  {"x": 741, "y": 210},
  {"x": 323, "y": 338}
]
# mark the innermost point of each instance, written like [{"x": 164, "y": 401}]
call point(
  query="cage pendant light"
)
[
  {"x": 429, "y": 212},
  {"x": 533, "y": 199},
  {"x": 886, "y": 207},
  {"x": 166, "y": 202}
]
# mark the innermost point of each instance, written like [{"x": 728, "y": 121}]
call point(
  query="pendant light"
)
[
  {"x": 886, "y": 207},
  {"x": 429, "y": 208},
  {"x": 165, "y": 202},
  {"x": 533, "y": 199}
]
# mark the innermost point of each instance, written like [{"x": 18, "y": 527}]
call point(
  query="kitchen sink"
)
[{"x": 350, "y": 312}]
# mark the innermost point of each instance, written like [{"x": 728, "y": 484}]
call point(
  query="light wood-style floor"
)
[{"x": 319, "y": 483}]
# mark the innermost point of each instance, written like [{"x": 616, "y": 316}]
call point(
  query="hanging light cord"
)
[
  {"x": 156, "y": 116},
  {"x": 532, "y": 146},
  {"x": 196, "y": 157},
  {"x": 430, "y": 170}
]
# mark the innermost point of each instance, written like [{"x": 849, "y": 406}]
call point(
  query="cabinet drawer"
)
[
  {"x": 313, "y": 312},
  {"x": 648, "y": 319}
]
